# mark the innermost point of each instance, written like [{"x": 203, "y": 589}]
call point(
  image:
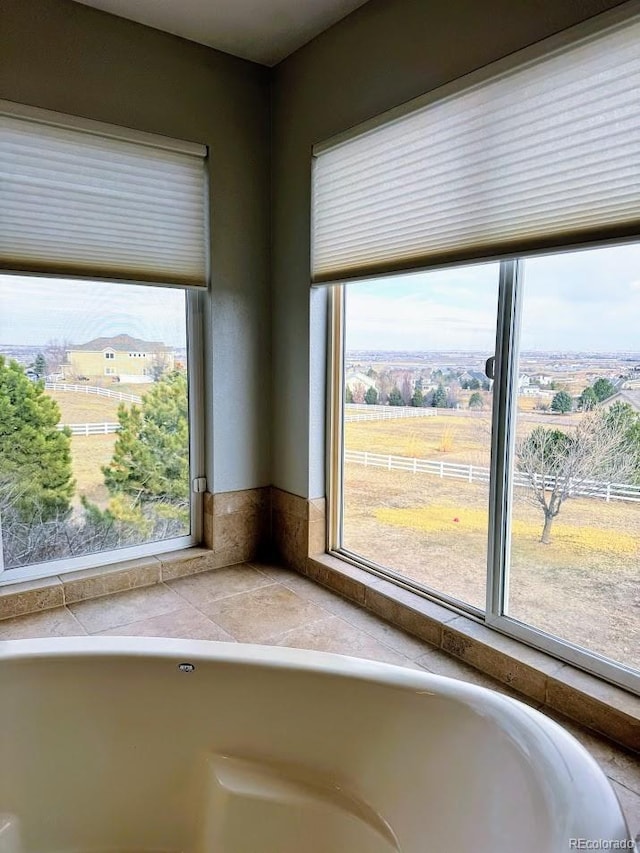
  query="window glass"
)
[
  {"x": 94, "y": 447},
  {"x": 575, "y": 532},
  {"x": 417, "y": 437}
]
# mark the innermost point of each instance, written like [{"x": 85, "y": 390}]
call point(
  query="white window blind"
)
[
  {"x": 545, "y": 154},
  {"x": 100, "y": 202}
]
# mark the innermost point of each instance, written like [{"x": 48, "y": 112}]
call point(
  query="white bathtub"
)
[{"x": 107, "y": 745}]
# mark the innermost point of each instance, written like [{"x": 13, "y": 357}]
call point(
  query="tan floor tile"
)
[
  {"x": 630, "y": 802},
  {"x": 257, "y": 616},
  {"x": 187, "y": 623},
  {"x": 616, "y": 762},
  {"x": 397, "y": 639},
  {"x": 440, "y": 663},
  {"x": 202, "y": 589},
  {"x": 314, "y": 591},
  {"x": 111, "y": 611},
  {"x": 58, "y": 622},
  {"x": 335, "y": 635}
]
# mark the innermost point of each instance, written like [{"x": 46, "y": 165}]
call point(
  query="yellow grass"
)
[
  {"x": 79, "y": 408},
  {"x": 88, "y": 455},
  {"x": 567, "y": 539},
  {"x": 465, "y": 439}
]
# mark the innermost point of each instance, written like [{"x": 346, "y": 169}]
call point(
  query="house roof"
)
[
  {"x": 630, "y": 397},
  {"x": 120, "y": 343}
]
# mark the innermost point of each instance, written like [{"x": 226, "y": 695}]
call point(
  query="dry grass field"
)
[
  {"x": 78, "y": 408},
  {"x": 584, "y": 586},
  {"x": 88, "y": 454}
]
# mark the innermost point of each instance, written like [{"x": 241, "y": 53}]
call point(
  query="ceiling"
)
[{"x": 264, "y": 31}]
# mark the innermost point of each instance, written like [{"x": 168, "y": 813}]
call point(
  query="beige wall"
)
[
  {"x": 383, "y": 54},
  {"x": 65, "y": 56}
]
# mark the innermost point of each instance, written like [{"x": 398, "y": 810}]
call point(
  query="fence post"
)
[
  {"x": 441, "y": 470},
  {"x": 471, "y": 473},
  {"x": 366, "y": 459},
  {"x": 608, "y": 498},
  {"x": 415, "y": 465},
  {"x": 388, "y": 463}
]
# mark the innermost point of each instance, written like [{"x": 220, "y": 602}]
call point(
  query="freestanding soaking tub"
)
[{"x": 117, "y": 744}]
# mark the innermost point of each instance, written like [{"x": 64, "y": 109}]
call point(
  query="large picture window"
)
[
  {"x": 482, "y": 249},
  {"x": 104, "y": 261},
  {"x": 425, "y": 431},
  {"x": 93, "y": 461}
]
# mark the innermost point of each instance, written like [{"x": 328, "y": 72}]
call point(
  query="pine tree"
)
[
  {"x": 149, "y": 471},
  {"x": 35, "y": 456},
  {"x": 439, "y": 399},
  {"x": 562, "y": 402},
  {"x": 40, "y": 366},
  {"x": 395, "y": 397},
  {"x": 371, "y": 396}
]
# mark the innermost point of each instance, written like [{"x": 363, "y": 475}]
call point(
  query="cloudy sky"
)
[
  {"x": 573, "y": 302},
  {"x": 36, "y": 310},
  {"x": 586, "y": 300}
]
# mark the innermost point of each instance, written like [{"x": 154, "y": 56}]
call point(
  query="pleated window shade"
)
[
  {"x": 547, "y": 154},
  {"x": 82, "y": 203}
]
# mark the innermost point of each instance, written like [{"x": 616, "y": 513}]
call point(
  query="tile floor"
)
[{"x": 259, "y": 603}]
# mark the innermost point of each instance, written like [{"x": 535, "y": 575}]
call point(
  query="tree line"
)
[{"x": 147, "y": 478}]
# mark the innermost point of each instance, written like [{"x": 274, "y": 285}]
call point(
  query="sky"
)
[
  {"x": 34, "y": 310},
  {"x": 578, "y": 301}
]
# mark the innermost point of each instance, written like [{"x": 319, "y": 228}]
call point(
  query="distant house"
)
[
  {"x": 543, "y": 379},
  {"x": 524, "y": 380},
  {"x": 354, "y": 379},
  {"x": 122, "y": 357},
  {"x": 630, "y": 397}
]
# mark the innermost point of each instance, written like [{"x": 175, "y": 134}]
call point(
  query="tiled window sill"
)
[
  {"x": 33, "y": 596},
  {"x": 553, "y": 685}
]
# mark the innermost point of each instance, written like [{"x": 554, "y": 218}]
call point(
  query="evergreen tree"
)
[
  {"x": 417, "y": 399},
  {"x": 348, "y": 395},
  {"x": 476, "y": 401},
  {"x": 439, "y": 399},
  {"x": 149, "y": 471},
  {"x": 395, "y": 397},
  {"x": 35, "y": 456},
  {"x": 371, "y": 396},
  {"x": 603, "y": 388},
  {"x": 561, "y": 402},
  {"x": 40, "y": 366},
  {"x": 587, "y": 400}
]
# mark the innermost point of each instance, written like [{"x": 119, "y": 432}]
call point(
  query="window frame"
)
[
  {"x": 194, "y": 313},
  {"x": 504, "y": 413}
]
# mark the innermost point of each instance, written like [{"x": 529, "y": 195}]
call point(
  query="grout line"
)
[
  {"x": 75, "y": 619},
  {"x": 220, "y": 597}
]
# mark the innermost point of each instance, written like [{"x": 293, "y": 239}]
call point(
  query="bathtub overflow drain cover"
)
[{"x": 186, "y": 667}]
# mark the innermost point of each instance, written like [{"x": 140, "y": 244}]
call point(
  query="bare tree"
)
[
  {"x": 358, "y": 392},
  {"x": 55, "y": 353},
  {"x": 159, "y": 364},
  {"x": 559, "y": 465}
]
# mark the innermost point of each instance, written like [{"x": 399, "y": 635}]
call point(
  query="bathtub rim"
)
[{"x": 560, "y": 754}]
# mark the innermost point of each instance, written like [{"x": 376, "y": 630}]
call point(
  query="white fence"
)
[
  {"x": 478, "y": 474},
  {"x": 360, "y": 412},
  {"x": 90, "y": 429},
  {"x": 91, "y": 389}
]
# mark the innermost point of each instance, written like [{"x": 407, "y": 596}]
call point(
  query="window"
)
[
  {"x": 103, "y": 259},
  {"x": 419, "y": 425},
  {"x": 89, "y": 468},
  {"x": 482, "y": 251}
]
